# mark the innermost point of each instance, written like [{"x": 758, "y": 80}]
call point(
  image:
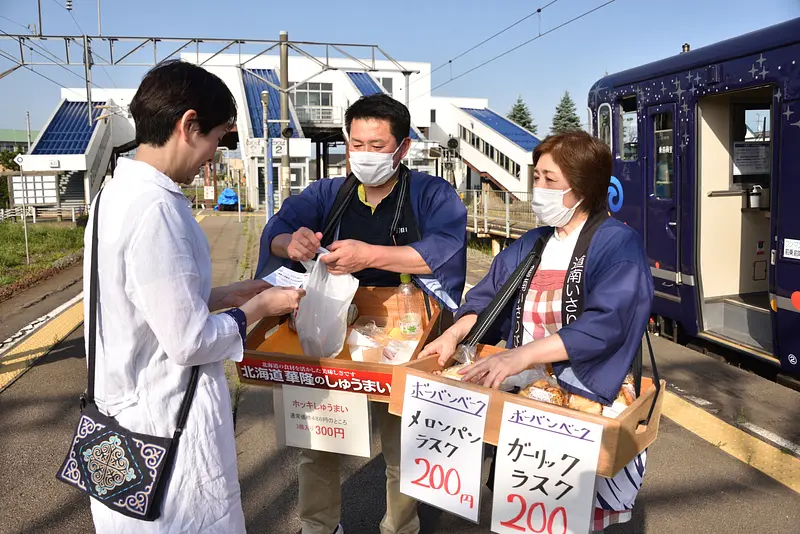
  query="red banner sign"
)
[{"x": 316, "y": 376}]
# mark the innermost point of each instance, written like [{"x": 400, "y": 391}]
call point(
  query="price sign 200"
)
[
  {"x": 449, "y": 481},
  {"x": 532, "y": 523}
]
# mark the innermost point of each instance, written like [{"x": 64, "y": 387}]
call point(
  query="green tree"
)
[
  {"x": 566, "y": 118},
  {"x": 521, "y": 115},
  {"x": 7, "y": 162},
  {"x": 7, "y": 159}
]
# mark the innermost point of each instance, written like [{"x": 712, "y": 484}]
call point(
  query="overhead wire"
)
[{"x": 464, "y": 53}]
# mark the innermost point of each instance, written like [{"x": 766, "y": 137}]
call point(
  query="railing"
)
[
  {"x": 328, "y": 115},
  {"x": 38, "y": 214},
  {"x": 500, "y": 213}
]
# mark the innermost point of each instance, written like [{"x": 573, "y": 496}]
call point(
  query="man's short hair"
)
[
  {"x": 172, "y": 88},
  {"x": 381, "y": 106}
]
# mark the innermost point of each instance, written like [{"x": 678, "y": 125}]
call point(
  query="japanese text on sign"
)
[
  {"x": 317, "y": 377},
  {"x": 442, "y": 443},
  {"x": 545, "y": 472},
  {"x": 322, "y": 420}
]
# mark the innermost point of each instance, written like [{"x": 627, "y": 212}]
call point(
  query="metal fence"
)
[
  {"x": 499, "y": 213},
  {"x": 38, "y": 214},
  {"x": 320, "y": 114}
]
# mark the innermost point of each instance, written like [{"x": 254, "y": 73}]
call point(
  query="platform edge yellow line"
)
[
  {"x": 768, "y": 459},
  {"x": 17, "y": 360}
]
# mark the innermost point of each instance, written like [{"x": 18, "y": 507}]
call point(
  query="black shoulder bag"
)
[{"x": 124, "y": 470}]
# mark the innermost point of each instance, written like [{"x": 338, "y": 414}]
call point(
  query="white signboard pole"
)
[
  {"x": 545, "y": 472},
  {"x": 327, "y": 420},
  {"x": 442, "y": 445},
  {"x": 19, "y": 161}
]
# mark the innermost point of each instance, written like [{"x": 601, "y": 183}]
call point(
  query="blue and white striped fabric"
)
[{"x": 619, "y": 493}]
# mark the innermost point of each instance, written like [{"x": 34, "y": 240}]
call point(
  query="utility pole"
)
[
  {"x": 28, "y": 127},
  {"x": 87, "y": 64},
  {"x": 286, "y": 173},
  {"x": 269, "y": 194},
  {"x": 407, "y": 74},
  {"x": 98, "y": 18},
  {"x": 40, "y": 17}
]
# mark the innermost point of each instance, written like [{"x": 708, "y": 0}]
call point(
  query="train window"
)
[
  {"x": 663, "y": 179},
  {"x": 629, "y": 129},
  {"x": 604, "y": 124}
]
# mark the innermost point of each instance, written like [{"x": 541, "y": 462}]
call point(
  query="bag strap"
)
[
  {"x": 489, "y": 314},
  {"x": 94, "y": 287},
  {"x": 656, "y": 378},
  {"x": 340, "y": 203}
]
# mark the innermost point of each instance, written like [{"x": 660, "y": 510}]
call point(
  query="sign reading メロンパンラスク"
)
[{"x": 442, "y": 445}]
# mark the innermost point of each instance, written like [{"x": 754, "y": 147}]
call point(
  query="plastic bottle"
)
[{"x": 408, "y": 299}]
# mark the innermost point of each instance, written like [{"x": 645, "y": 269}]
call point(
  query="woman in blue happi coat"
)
[{"x": 584, "y": 309}]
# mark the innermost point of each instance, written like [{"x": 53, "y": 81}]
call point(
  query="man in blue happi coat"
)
[{"x": 380, "y": 221}]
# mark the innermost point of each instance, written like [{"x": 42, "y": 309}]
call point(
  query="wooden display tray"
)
[
  {"x": 273, "y": 355},
  {"x": 623, "y": 437}
]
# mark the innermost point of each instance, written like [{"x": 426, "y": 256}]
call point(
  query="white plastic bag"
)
[{"x": 322, "y": 316}]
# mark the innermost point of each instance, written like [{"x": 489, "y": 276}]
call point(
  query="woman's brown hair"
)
[{"x": 585, "y": 162}]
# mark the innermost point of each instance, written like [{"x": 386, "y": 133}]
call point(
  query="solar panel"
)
[
  {"x": 367, "y": 86},
  {"x": 514, "y": 133},
  {"x": 69, "y": 132},
  {"x": 253, "y": 86}
]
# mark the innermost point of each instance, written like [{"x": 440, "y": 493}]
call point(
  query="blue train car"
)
[{"x": 706, "y": 149}]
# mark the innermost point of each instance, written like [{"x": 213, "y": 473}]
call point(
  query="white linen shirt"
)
[{"x": 154, "y": 268}]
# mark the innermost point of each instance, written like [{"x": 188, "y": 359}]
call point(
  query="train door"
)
[
  {"x": 662, "y": 193},
  {"x": 785, "y": 254},
  {"x": 736, "y": 166}
]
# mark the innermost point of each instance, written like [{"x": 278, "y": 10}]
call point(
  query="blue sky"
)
[{"x": 621, "y": 35}]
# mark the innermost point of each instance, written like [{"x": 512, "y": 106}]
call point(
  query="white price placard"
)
[
  {"x": 326, "y": 420},
  {"x": 545, "y": 472},
  {"x": 208, "y": 192},
  {"x": 791, "y": 248},
  {"x": 442, "y": 445}
]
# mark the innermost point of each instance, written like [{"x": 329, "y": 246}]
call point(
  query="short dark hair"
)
[
  {"x": 585, "y": 162},
  {"x": 172, "y": 88},
  {"x": 381, "y": 106}
]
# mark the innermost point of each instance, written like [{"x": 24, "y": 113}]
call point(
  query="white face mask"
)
[
  {"x": 548, "y": 206},
  {"x": 373, "y": 169}
]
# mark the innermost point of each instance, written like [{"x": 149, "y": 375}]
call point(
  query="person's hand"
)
[
  {"x": 236, "y": 294},
  {"x": 304, "y": 245},
  {"x": 444, "y": 347},
  {"x": 347, "y": 256},
  {"x": 273, "y": 302},
  {"x": 493, "y": 370}
]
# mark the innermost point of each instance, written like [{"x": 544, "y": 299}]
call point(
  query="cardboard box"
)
[
  {"x": 623, "y": 437},
  {"x": 273, "y": 355}
]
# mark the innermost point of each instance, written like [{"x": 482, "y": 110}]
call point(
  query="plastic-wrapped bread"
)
[
  {"x": 582, "y": 404},
  {"x": 452, "y": 372},
  {"x": 542, "y": 390}
]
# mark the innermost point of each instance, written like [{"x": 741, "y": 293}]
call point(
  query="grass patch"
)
[
  {"x": 483, "y": 245},
  {"x": 47, "y": 243}
]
